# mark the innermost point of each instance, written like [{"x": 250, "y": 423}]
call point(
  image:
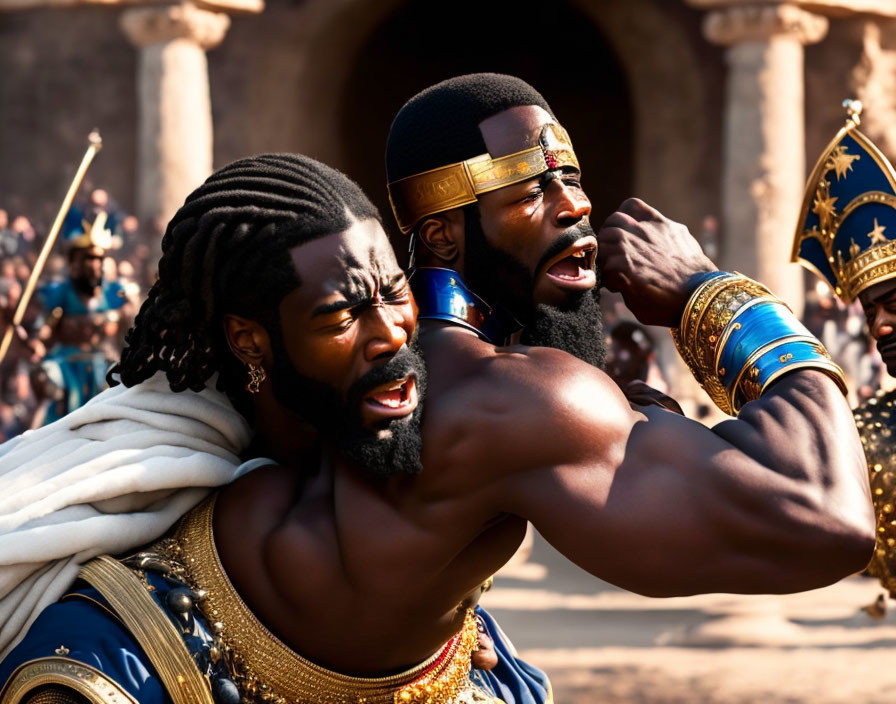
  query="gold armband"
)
[{"x": 737, "y": 338}]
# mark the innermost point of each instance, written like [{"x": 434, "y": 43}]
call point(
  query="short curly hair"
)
[{"x": 440, "y": 125}]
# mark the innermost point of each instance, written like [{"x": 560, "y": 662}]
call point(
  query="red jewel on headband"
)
[{"x": 550, "y": 159}]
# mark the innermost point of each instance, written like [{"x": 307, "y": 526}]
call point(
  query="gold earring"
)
[{"x": 256, "y": 376}]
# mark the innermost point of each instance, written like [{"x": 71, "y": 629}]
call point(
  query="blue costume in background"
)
[{"x": 80, "y": 373}]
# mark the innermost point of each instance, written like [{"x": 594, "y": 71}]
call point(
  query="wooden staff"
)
[{"x": 96, "y": 143}]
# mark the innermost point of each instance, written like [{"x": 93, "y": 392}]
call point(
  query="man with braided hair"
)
[{"x": 277, "y": 285}]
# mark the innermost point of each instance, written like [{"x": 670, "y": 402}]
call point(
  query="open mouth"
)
[
  {"x": 395, "y": 399},
  {"x": 574, "y": 267}
]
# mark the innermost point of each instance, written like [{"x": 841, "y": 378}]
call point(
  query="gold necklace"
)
[{"x": 268, "y": 671}]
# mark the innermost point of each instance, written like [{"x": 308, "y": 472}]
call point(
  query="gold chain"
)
[{"x": 268, "y": 671}]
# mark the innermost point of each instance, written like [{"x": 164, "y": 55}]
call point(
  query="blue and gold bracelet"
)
[{"x": 738, "y": 339}]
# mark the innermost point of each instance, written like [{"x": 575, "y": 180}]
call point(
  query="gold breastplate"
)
[
  {"x": 266, "y": 670},
  {"x": 876, "y": 422}
]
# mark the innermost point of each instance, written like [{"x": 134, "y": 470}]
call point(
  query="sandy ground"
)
[{"x": 601, "y": 644}]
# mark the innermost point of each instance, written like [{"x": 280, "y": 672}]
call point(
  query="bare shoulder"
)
[
  {"x": 531, "y": 407},
  {"x": 551, "y": 379},
  {"x": 255, "y": 503}
]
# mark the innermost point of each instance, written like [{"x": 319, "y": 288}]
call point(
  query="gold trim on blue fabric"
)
[
  {"x": 87, "y": 681},
  {"x": 778, "y": 357},
  {"x": 732, "y": 328},
  {"x": 144, "y": 618},
  {"x": 98, "y": 604},
  {"x": 729, "y": 326},
  {"x": 267, "y": 665},
  {"x": 864, "y": 268}
]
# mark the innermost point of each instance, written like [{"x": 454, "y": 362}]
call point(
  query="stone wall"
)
[
  {"x": 290, "y": 79},
  {"x": 829, "y": 80},
  {"x": 62, "y": 73}
]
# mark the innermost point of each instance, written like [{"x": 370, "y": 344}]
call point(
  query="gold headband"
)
[
  {"x": 456, "y": 185},
  {"x": 95, "y": 235}
]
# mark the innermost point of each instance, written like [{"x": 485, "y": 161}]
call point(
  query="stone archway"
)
[
  {"x": 314, "y": 84},
  {"x": 675, "y": 79},
  {"x": 667, "y": 85},
  {"x": 562, "y": 54}
]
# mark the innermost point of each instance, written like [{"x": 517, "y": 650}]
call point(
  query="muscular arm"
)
[{"x": 774, "y": 501}]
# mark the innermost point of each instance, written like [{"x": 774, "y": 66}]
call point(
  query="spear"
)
[{"x": 96, "y": 143}]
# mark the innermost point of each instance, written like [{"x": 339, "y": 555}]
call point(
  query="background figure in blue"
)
[
  {"x": 98, "y": 203},
  {"x": 83, "y": 317}
]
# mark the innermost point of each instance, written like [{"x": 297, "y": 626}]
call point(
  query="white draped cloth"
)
[{"x": 109, "y": 477}]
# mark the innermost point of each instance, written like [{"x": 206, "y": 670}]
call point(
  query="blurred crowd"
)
[{"x": 131, "y": 261}]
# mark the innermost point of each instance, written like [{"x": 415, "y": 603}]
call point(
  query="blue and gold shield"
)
[{"x": 847, "y": 228}]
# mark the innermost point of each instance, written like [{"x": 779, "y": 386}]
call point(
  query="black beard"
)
[
  {"x": 504, "y": 282},
  {"x": 338, "y": 419},
  {"x": 578, "y": 329},
  {"x": 886, "y": 346},
  {"x": 86, "y": 285}
]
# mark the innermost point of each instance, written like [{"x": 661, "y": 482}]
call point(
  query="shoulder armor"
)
[
  {"x": 130, "y": 599},
  {"x": 90, "y": 683}
]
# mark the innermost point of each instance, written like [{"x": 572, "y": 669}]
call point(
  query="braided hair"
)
[{"x": 227, "y": 251}]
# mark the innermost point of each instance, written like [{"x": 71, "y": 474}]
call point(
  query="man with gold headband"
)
[
  {"x": 484, "y": 181},
  {"x": 847, "y": 236}
]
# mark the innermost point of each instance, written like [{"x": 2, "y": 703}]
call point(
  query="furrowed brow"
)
[
  {"x": 395, "y": 280},
  {"x": 350, "y": 301}
]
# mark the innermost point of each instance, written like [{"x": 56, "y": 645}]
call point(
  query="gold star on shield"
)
[
  {"x": 877, "y": 234},
  {"x": 840, "y": 161},
  {"x": 823, "y": 207}
]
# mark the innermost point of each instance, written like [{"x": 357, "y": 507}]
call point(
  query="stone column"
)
[
  {"x": 764, "y": 151},
  {"x": 174, "y": 151},
  {"x": 874, "y": 82}
]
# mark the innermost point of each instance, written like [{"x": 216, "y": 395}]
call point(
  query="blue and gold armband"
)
[{"x": 738, "y": 339}]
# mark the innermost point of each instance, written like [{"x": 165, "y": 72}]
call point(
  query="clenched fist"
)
[{"x": 651, "y": 261}]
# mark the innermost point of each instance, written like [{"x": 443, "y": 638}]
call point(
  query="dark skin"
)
[
  {"x": 341, "y": 565},
  {"x": 335, "y": 524},
  {"x": 879, "y": 304},
  {"x": 523, "y": 218}
]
